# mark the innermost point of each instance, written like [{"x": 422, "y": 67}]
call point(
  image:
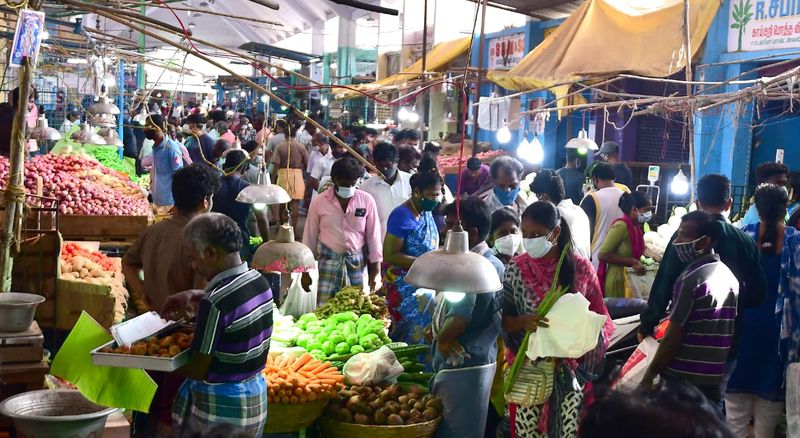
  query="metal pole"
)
[
  {"x": 121, "y": 103},
  {"x": 422, "y": 97},
  {"x": 140, "y": 74},
  {"x": 14, "y": 194},
  {"x": 481, "y": 48},
  {"x": 687, "y": 42}
]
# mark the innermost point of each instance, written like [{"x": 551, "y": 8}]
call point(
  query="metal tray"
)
[{"x": 166, "y": 364}]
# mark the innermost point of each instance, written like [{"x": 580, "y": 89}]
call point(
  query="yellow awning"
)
[
  {"x": 437, "y": 59},
  {"x": 605, "y": 37}
]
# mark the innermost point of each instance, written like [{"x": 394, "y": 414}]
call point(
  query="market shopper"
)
[
  {"x": 255, "y": 162},
  {"x": 735, "y": 249},
  {"x": 167, "y": 159},
  {"x": 409, "y": 159},
  {"x": 411, "y": 232},
  {"x": 476, "y": 177},
  {"x": 527, "y": 280},
  {"x": 767, "y": 173},
  {"x": 601, "y": 206},
  {"x": 407, "y": 137},
  {"x": 392, "y": 187},
  {"x": 465, "y": 332},
  {"x": 573, "y": 176},
  {"x": 290, "y": 159},
  {"x": 158, "y": 252},
  {"x": 548, "y": 186},
  {"x": 69, "y": 121},
  {"x": 609, "y": 153},
  {"x": 246, "y": 130},
  {"x": 343, "y": 230},
  {"x": 703, "y": 312},
  {"x": 232, "y": 331},
  {"x": 506, "y": 173},
  {"x": 199, "y": 145},
  {"x": 319, "y": 148},
  {"x": 236, "y": 162},
  {"x": 505, "y": 235},
  {"x": 769, "y": 340},
  {"x": 624, "y": 245}
]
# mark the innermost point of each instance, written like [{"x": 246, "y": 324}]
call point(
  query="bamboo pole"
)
[
  {"x": 14, "y": 194},
  {"x": 247, "y": 81},
  {"x": 218, "y": 14},
  {"x": 687, "y": 41}
]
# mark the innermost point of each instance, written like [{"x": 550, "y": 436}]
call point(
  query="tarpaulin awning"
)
[
  {"x": 605, "y": 37},
  {"x": 437, "y": 58}
]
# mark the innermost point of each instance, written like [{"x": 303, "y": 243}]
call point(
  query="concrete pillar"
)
[
  {"x": 347, "y": 43},
  {"x": 318, "y": 38}
]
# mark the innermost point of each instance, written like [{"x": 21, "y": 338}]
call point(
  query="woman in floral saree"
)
[{"x": 528, "y": 278}]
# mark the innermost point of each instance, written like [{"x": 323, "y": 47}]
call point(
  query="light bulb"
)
[
  {"x": 453, "y": 297},
  {"x": 324, "y": 102},
  {"x": 265, "y": 98},
  {"x": 413, "y": 117},
  {"x": 259, "y": 206},
  {"x": 158, "y": 94},
  {"x": 45, "y": 35},
  {"x": 274, "y": 88},
  {"x": 582, "y": 151},
  {"x": 680, "y": 184},
  {"x": 402, "y": 114},
  {"x": 504, "y": 135},
  {"x": 532, "y": 151},
  {"x": 243, "y": 93},
  {"x": 283, "y": 107},
  {"x": 234, "y": 100}
]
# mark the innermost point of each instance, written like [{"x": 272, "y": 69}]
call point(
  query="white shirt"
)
[
  {"x": 579, "y": 227},
  {"x": 65, "y": 127},
  {"x": 322, "y": 171},
  {"x": 304, "y": 138},
  {"x": 388, "y": 197},
  {"x": 313, "y": 157}
]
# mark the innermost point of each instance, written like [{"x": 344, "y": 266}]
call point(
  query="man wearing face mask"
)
[
  {"x": 505, "y": 235},
  {"x": 703, "y": 312},
  {"x": 199, "y": 145},
  {"x": 548, "y": 186},
  {"x": 343, "y": 229},
  {"x": 735, "y": 248},
  {"x": 506, "y": 173},
  {"x": 321, "y": 173},
  {"x": 390, "y": 189},
  {"x": 167, "y": 159}
]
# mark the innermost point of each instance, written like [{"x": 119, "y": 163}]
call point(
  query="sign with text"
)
[
  {"x": 756, "y": 25},
  {"x": 506, "y": 51}
]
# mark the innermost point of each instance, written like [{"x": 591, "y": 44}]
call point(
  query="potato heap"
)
[
  {"x": 79, "y": 264},
  {"x": 384, "y": 405}
]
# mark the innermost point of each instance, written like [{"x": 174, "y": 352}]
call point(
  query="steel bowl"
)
[
  {"x": 55, "y": 413},
  {"x": 17, "y": 310}
]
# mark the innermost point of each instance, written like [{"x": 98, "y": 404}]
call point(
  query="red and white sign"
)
[{"x": 507, "y": 51}]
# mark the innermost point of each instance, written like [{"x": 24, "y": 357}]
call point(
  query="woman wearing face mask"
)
[
  {"x": 505, "y": 237},
  {"x": 528, "y": 278},
  {"x": 411, "y": 232},
  {"x": 624, "y": 245},
  {"x": 769, "y": 341}
]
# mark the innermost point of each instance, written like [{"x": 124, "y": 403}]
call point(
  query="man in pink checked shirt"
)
[{"x": 344, "y": 231}]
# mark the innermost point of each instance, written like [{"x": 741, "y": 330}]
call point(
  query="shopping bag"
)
[
  {"x": 374, "y": 367},
  {"x": 298, "y": 301},
  {"x": 635, "y": 368},
  {"x": 793, "y": 399}
]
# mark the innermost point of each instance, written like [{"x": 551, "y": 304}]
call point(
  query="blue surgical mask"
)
[{"x": 506, "y": 197}]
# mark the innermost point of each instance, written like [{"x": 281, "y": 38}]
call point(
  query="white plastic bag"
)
[
  {"x": 635, "y": 368},
  {"x": 573, "y": 330},
  {"x": 374, "y": 367},
  {"x": 793, "y": 399},
  {"x": 298, "y": 301}
]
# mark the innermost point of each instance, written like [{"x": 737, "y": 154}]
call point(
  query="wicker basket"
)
[
  {"x": 336, "y": 429},
  {"x": 285, "y": 418}
]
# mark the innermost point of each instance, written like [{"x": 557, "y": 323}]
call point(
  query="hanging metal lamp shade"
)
[
  {"x": 582, "y": 141},
  {"x": 104, "y": 121},
  {"x": 103, "y": 105},
  {"x": 454, "y": 268},
  {"x": 264, "y": 192},
  {"x": 43, "y": 131},
  {"x": 284, "y": 254},
  {"x": 110, "y": 136},
  {"x": 87, "y": 135}
]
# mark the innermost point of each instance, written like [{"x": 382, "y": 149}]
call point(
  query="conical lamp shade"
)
[
  {"x": 44, "y": 132},
  {"x": 87, "y": 135},
  {"x": 110, "y": 136},
  {"x": 582, "y": 141},
  {"x": 266, "y": 193},
  {"x": 454, "y": 268},
  {"x": 284, "y": 254},
  {"x": 103, "y": 106}
]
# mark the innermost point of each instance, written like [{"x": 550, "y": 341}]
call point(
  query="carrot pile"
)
[{"x": 301, "y": 379}]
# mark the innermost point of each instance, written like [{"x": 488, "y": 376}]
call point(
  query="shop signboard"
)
[
  {"x": 506, "y": 51},
  {"x": 756, "y": 25}
]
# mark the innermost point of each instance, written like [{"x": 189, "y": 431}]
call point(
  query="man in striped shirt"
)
[
  {"x": 703, "y": 313},
  {"x": 232, "y": 331}
]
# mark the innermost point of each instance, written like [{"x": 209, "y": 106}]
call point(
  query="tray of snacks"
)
[{"x": 166, "y": 350}]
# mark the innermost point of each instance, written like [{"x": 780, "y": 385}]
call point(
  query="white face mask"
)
[
  {"x": 537, "y": 247},
  {"x": 509, "y": 244},
  {"x": 645, "y": 217},
  {"x": 345, "y": 192}
]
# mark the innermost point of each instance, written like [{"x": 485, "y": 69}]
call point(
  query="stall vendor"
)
[
  {"x": 232, "y": 332},
  {"x": 465, "y": 330}
]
